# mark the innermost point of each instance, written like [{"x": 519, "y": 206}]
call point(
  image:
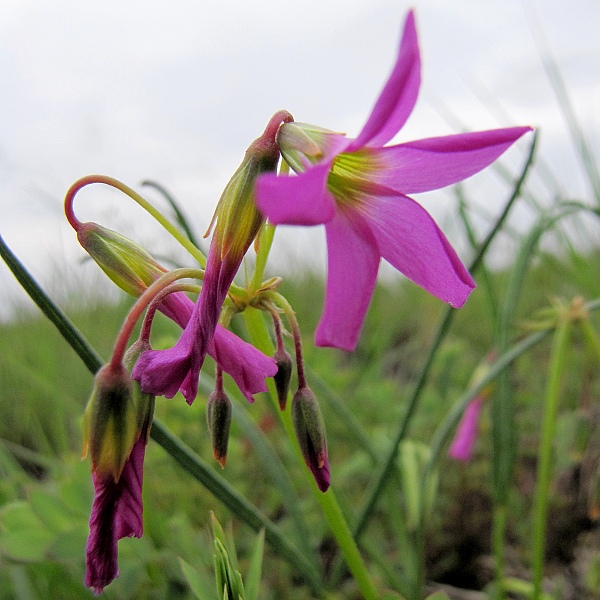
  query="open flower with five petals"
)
[{"x": 358, "y": 189}]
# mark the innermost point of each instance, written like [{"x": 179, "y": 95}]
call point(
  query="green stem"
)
[
  {"x": 265, "y": 241},
  {"x": 174, "y": 231},
  {"x": 331, "y": 509},
  {"x": 237, "y": 503},
  {"x": 544, "y": 468},
  {"x": 498, "y": 529}
]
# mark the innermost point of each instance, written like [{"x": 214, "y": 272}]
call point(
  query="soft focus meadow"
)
[{"x": 463, "y": 444}]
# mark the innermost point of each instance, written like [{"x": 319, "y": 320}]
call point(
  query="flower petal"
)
[
  {"x": 299, "y": 200},
  {"x": 352, "y": 265},
  {"x": 434, "y": 163},
  {"x": 410, "y": 241},
  {"x": 116, "y": 513},
  {"x": 247, "y": 365},
  {"x": 162, "y": 372},
  {"x": 399, "y": 95}
]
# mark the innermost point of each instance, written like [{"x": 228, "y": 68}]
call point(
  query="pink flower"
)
[
  {"x": 247, "y": 365},
  {"x": 357, "y": 188},
  {"x": 116, "y": 513},
  {"x": 466, "y": 432}
]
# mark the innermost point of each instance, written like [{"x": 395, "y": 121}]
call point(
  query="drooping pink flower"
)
[
  {"x": 357, "y": 188},
  {"x": 464, "y": 440},
  {"x": 133, "y": 270},
  {"x": 163, "y": 372},
  {"x": 116, "y": 513},
  {"x": 248, "y": 366}
]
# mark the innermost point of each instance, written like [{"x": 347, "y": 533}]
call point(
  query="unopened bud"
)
[
  {"x": 110, "y": 421},
  {"x": 310, "y": 433},
  {"x": 125, "y": 262},
  {"x": 302, "y": 145},
  {"x": 218, "y": 417},
  {"x": 237, "y": 218},
  {"x": 283, "y": 376}
]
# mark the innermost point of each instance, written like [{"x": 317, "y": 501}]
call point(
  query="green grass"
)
[{"x": 47, "y": 490}]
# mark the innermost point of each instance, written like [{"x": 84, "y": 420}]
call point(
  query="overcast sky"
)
[{"x": 175, "y": 91}]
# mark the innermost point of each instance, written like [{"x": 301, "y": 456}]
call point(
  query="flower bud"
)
[
  {"x": 111, "y": 421},
  {"x": 283, "y": 376},
  {"x": 237, "y": 218},
  {"x": 310, "y": 433},
  {"x": 127, "y": 264},
  {"x": 218, "y": 418},
  {"x": 303, "y": 145}
]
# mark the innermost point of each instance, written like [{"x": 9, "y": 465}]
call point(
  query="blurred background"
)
[{"x": 175, "y": 91}]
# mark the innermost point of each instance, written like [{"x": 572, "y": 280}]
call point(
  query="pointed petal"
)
[
  {"x": 300, "y": 200},
  {"x": 410, "y": 241},
  {"x": 352, "y": 265},
  {"x": 399, "y": 95},
  {"x": 128, "y": 518},
  {"x": 116, "y": 513},
  {"x": 434, "y": 163},
  {"x": 248, "y": 366}
]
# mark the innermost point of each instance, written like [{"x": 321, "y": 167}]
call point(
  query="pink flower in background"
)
[
  {"x": 464, "y": 440},
  {"x": 357, "y": 188}
]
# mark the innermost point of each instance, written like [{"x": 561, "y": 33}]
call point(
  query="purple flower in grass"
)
[
  {"x": 357, "y": 188},
  {"x": 163, "y": 372}
]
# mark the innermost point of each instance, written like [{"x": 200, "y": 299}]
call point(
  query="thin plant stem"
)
[
  {"x": 333, "y": 514},
  {"x": 174, "y": 231},
  {"x": 265, "y": 241},
  {"x": 142, "y": 303},
  {"x": 498, "y": 530},
  {"x": 544, "y": 468}
]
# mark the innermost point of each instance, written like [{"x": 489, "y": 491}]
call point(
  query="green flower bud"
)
[
  {"x": 127, "y": 264},
  {"x": 283, "y": 376},
  {"x": 309, "y": 427},
  {"x": 236, "y": 216},
  {"x": 111, "y": 421},
  {"x": 218, "y": 418}
]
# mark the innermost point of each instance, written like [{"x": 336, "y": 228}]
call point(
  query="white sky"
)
[{"x": 175, "y": 91}]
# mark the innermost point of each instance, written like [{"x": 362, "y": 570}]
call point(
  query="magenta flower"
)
[
  {"x": 116, "y": 513},
  {"x": 163, "y": 372},
  {"x": 358, "y": 188},
  {"x": 464, "y": 440},
  {"x": 247, "y": 365}
]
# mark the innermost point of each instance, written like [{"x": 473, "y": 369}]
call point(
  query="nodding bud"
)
[
  {"x": 111, "y": 421},
  {"x": 218, "y": 418},
  {"x": 302, "y": 144},
  {"x": 310, "y": 433},
  {"x": 127, "y": 264},
  {"x": 236, "y": 219},
  {"x": 283, "y": 376},
  {"x": 144, "y": 403}
]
